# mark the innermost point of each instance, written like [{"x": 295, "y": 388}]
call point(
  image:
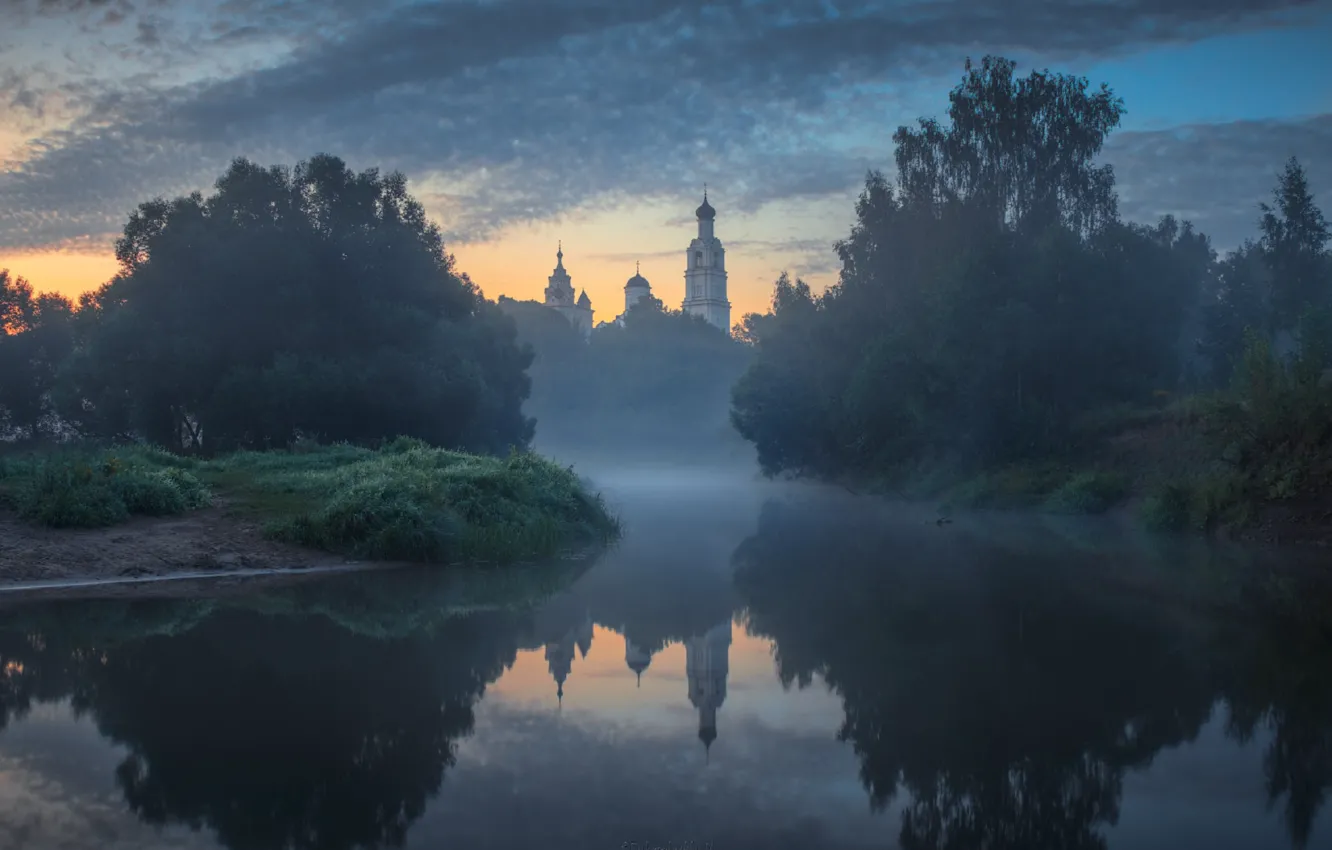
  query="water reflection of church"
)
[{"x": 707, "y": 664}]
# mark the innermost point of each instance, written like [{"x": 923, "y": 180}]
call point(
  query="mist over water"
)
[{"x": 755, "y": 664}]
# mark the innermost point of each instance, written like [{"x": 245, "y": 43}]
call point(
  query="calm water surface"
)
[{"x": 754, "y": 666}]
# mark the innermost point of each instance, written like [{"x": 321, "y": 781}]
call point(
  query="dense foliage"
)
[
  {"x": 311, "y": 301},
  {"x": 36, "y": 336},
  {"x": 661, "y": 378},
  {"x": 991, "y": 297}
]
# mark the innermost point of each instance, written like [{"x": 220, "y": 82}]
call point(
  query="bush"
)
[
  {"x": 406, "y": 502},
  {"x": 1088, "y": 493},
  {"x": 1011, "y": 487},
  {"x": 59, "y": 499},
  {"x": 1167, "y": 509},
  {"x": 160, "y": 492},
  {"x": 1274, "y": 425},
  {"x": 409, "y": 502},
  {"x": 95, "y": 490}
]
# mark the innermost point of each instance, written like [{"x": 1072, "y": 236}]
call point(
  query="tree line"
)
[
  {"x": 319, "y": 302},
  {"x": 308, "y": 301},
  {"x": 991, "y": 296}
]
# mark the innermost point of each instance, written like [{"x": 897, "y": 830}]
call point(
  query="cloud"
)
[
  {"x": 1216, "y": 174},
  {"x": 767, "y": 786},
  {"x": 526, "y": 109}
]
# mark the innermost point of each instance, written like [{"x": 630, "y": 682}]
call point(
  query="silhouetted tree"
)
[
  {"x": 985, "y": 302},
  {"x": 1294, "y": 243},
  {"x": 36, "y": 337},
  {"x": 312, "y": 300}
]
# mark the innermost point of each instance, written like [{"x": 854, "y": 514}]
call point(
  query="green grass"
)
[
  {"x": 404, "y": 502},
  {"x": 74, "y": 488}
]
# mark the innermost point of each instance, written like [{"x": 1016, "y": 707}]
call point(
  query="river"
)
[{"x": 755, "y": 665}]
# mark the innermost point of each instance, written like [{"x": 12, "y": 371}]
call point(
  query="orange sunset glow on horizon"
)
[{"x": 601, "y": 252}]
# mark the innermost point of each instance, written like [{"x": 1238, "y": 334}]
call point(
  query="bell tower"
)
[{"x": 705, "y": 272}]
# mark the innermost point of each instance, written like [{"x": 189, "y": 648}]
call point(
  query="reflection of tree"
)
[
  {"x": 278, "y": 733},
  {"x": 1283, "y": 685},
  {"x": 1002, "y": 694},
  {"x": 47, "y": 650},
  {"x": 273, "y": 730}
]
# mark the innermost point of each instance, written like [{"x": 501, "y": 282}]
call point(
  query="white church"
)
[{"x": 705, "y": 282}]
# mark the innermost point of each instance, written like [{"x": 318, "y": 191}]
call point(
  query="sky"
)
[{"x": 521, "y": 123}]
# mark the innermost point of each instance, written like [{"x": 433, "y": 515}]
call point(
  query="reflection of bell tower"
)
[
  {"x": 707, "y": 663},
  {"x": 559, "y": 659},
  {"x": 636, "y": 658},
  {"x": 560, "y": 654}
]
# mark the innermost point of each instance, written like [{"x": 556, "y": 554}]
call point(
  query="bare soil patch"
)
[{"x": 212, "y": 540}]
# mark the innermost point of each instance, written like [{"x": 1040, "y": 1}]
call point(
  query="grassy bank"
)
[
  {"x": 1254, "y": 461},
  {"x": 406, "y": 501}
]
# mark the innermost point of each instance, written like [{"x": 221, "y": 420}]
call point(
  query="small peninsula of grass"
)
[{"x": 403, "y": 502}]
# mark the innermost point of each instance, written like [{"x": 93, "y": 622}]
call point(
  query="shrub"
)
[
  {"x": 402, "y": 445},
  {"x": 410, "y": 502},
  {"x": 406, "y": 502},
  {"x": 1088, "y": 493},
  {"x": 1167, "y": 508},
  {"x": 160, "y": 492},
  {"x": 64, "y": 497},
  {"x": 87, "y": 489},
  {"x": 1009, "y": 487}
]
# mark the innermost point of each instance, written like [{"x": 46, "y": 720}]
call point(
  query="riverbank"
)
[
  {"x": 134, "y": 511},
  {"x": 1197, "y": 465}
]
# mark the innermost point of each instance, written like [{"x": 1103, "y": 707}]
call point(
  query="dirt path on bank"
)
[{"x": 208, "y": 540}]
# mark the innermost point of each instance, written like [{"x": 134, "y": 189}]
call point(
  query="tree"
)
[
  {"x": 1023, "y": 150},
  {"x": 1238, "y": 301},
  {"x": 36, "y": 337},
  {"x": 310, "y": 300},
  {"x": 1294, "y": 243},
  {"x": 986, "y": 300}
]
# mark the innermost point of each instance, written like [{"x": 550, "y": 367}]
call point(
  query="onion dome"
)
[
  {"x": 705, "y": 212},
  {"x": 637, "y": 281},
  {"x": 707, "y": 735}
]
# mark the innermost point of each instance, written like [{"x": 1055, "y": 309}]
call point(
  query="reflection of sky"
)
[
  {"x": 58, "y": 791},
  {"x": 602, "y": 692},
  {"x": 1210, "y": 791},
  {"x": 618, "y": 762}
]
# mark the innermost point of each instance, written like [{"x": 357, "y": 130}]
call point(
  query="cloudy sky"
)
[{"x": 521, "y": 122}]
